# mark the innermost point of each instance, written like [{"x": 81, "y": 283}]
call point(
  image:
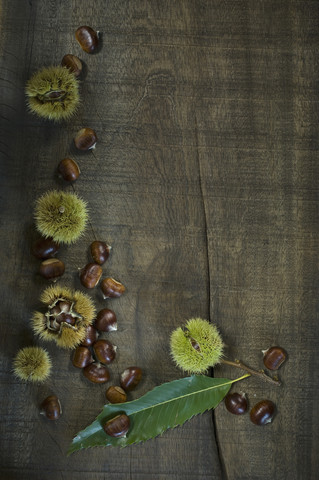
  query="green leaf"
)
[{"x": 166, "y": 406}]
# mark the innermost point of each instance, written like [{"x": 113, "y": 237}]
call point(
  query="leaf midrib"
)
[{"x": 180, "y": 397}]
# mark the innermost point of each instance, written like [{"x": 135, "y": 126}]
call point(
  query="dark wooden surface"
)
[{"x": 205, "y": 182}]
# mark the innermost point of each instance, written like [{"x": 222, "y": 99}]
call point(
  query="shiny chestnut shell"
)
[
  {"x": 117, "y": 426},
  {"x": 106, "y": 320},
  {"x": 52, "y": 268},
  {"x": 72, "y": 63},
  {"x": 274, "y": 357},
  {"x": 87, "y": 38},
  {"x": 45, "y": 248},
  {"x": 51, "y": 407},
  {"x": 85, "y": 139},
  {"x": 82, "y": 357},
  {"x": 111, "y": 288},
  {"x": 96, "y": 373},
  {"x": 130, "y": 378},
  {"x": 100, "y": 251},
  {"x": 115, "y": 394},
  {"x": 236, "y": 403},
  {"x": 90, "y": 275},
  {"x": 104, "y": 351},
  {"x": 263, "y": 412},
  {"x": 69, "y": 170},
  {"x": 91, "y": 336},
  {"x": 66, "y": 318}
]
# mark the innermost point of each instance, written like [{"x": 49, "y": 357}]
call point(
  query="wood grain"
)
[{"x": 205, "y": 183}]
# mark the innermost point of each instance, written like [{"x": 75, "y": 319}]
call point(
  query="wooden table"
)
[{"x": 205, "y": 182}]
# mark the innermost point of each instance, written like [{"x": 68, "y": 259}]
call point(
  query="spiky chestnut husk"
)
[
  {"x": 53, "y": 93},
  {"x": 196, "y": 346},
  {"x": 77, "y": 309},
  {"x": 32, "y": 364},
  {"x": 60, "y": 215}
]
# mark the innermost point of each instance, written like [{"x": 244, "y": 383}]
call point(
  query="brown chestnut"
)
[
  {"x": 65, "y": 317},
  {"x": 87, "y": 38},
  {"x": 82, "y": 357},
  {"x": 72, "y": 63},
  {"x": 90, "y": 275},
  {"x": 130, "y": 378},
  {"x": 52, "y": 268},
  {"x": 106, "y": 320},
  {"x": 69, "y": 169},
  {"x": 85, "y": 139},
  {"x": 115, "y": 394},
  {"x": 236, "y": 403},
  {"x": 45, "y": 248},
  {"x": 112, "y": 288},
  {"x": 51, "y": 407},
  {"x": 263, "y": 412},
  {"x": 117, "y": 426},
  {"x": 100, "y": 251},
  {"x": 91, "y": 336},
  {"x": 104, "y": 351},
  {"x": 274, "y": 357},
  {"x": 96, "y": 373},
  {"x": 62, "y": 306}
]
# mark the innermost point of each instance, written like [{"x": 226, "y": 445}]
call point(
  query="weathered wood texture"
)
[{"x": 205, "y": 182}]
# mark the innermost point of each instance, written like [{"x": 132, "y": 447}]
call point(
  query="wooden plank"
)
[
  {"x": 144, "y": 199},
  {"x": 260, "y": 187}
]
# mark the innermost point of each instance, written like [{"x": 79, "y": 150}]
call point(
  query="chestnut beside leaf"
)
[
  {"x": 236, "y": 403},
  {"x": 117, "y": 426}
]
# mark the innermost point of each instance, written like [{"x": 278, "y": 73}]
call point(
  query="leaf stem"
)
[
  {"x": 262, "y": 375},
  {"x": 241, "y": 378}
]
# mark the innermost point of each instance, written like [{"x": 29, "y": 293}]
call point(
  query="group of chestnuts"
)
[
  {"x": 264, "y": 411},
  {"x": 94, "y": 354},
  {"x": 90, "y": 275},
  {"x": 53, "y": 93}
]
